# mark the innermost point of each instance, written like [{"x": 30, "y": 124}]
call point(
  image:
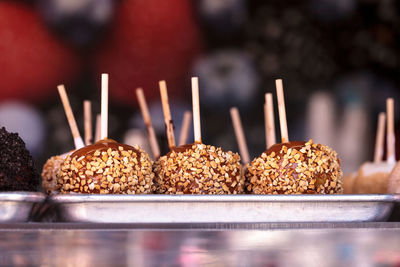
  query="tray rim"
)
[
  {"x": 86, "y": 198},
  {"x": 22, "y": 196}
]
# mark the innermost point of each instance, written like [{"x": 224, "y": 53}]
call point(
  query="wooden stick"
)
[
  {"x": 147, "y": 121},
  {"x": 104, "y": 106},
  {"x": 196, "y": 110},
  {"x": 70, "y": 117},
  {"x": 239, "y": 133},
  {"x": 169, "y": 125},
  {"x": 380, "y": 138},
  {"x": 87, "y": 118},
  {"x": 97, "y": 135},
  {"x": 270, "y": 120},
  {"x": 266, "y": 125},
  {"x": 391, "y": 150},
  {"x": 282, "y": 111},
  {"x": 187, "y": 117}
]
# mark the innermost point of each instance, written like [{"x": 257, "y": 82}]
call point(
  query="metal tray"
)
[
  {"x": 222, "y": 208},
  {"x": 17, "y": 206}
]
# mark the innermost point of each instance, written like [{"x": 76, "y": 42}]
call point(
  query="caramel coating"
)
[
  {"x": 373, "y": 178},
  {"x": 348, "y": 183},
  {"x": 106, "y": 168},
  {"x": 394, "y": 180},
  {"x": 49, "y": 174},
  {"x": 199, "y": 169},
  {"x": 295, "y": 168}
]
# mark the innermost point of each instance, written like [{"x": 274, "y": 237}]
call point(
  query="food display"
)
[
  {"x": 294, "y": 167},
  {"x": 373, "y": 177},
  {"x": 86, "y": 177},
  {"x": 196, "y": 168},
  {"x": 17, "y": 170},
  {"x": 137, "y": 174}
]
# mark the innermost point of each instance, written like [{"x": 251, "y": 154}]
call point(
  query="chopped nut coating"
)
[
  {"x": 295, "y": 168},
  {"x": 199, "y": 169}
]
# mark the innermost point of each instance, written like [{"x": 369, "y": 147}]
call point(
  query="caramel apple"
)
[
  {"x": 373, "y": 177},
  {"x": 199, "y": 169},
  {"x": 292, "y": 167},
  {"x": 295, "y": 168},
  {"x": 49, "y": 173},
  {"x": 348, "y": 183},
  {"x": 106, "y": 167},
  {"x": 195, "y": 168}
]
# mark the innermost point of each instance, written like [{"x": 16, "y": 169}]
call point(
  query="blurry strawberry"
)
[
  {"x": 150, "y": 41},
  {"x": 32, "y": 62}
]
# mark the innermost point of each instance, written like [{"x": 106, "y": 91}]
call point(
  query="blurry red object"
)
[
  {"x": 32, "y": 61},
  {"x": 149, "y": 41}
]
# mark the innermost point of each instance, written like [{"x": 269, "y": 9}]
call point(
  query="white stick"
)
[
  {"x": 70, "y": 117},
  {"x": 239, "y": 133},
  {"x": 147, "y": 121},
  {"x": 87, "y": 118},
  {"x": 97, "y": 135},
  {"x": 380, "y": 138},
  {"x": 196, "y": 109},
  {"x": 282, "y": 111},
  {"x": 104, "y": 106},
  {"x": 270, "y": 120},
  {"x": 391, "y": 146},
  {"x": 169, "y": 125},
  {"x": 187, "y": 117}
]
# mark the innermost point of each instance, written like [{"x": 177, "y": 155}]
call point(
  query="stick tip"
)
[
  {"x": 139, "y": 92},
  {"x": 233, "y": 110},
  {"x": 104, "y": 78},
  {"x": 163, "y": 86},
  {"x": 390, "y": 107},
  {"x": 279, "y": 87},
  {"x": 195, "y": 83},
  {"x": 61, "y": 87}
]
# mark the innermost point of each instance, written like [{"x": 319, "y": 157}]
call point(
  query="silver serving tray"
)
[
  {"x": 223, "y": 208},
  {"x": 17, "y": 206}
]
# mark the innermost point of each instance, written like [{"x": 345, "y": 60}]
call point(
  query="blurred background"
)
[{"x": 339, "y": 61}]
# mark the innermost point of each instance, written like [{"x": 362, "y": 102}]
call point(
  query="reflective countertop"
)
[{"x": 278, "y": 244}]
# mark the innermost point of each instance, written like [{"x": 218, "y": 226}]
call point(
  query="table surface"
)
[{"x": 268, "y": 244}]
